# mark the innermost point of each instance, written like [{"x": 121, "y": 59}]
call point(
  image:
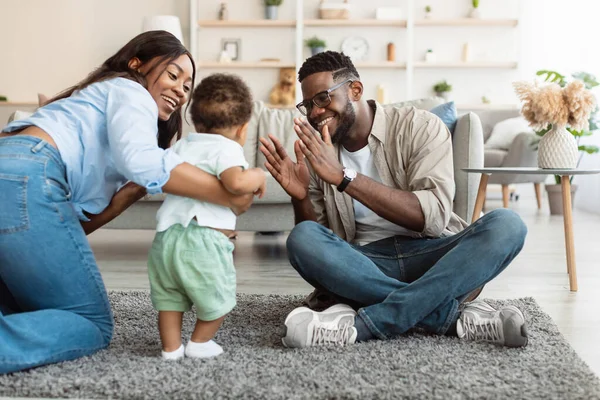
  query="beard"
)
[
  {"x": 342, "y": 132},
  {"x": 347, "y": 118}
]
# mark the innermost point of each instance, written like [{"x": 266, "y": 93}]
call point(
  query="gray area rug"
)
[{"x": 256, "y": 365}]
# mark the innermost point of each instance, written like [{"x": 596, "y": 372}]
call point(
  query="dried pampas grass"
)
[{"x": 551, "y": 104}]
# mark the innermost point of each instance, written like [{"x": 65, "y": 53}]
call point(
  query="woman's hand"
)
[
  {"x": 293, "y": 177},
  {"x": 125, "y": 197}
]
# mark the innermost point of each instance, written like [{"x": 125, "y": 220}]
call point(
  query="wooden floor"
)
[{"x": 539, "y": 271}]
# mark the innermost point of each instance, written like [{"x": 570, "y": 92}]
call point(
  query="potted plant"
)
[
  {"x": 427, "y": 12},
  {"x": 271, "y": 8},
  {"x": 474, "y": 13},
  {"x": 430, "y": 56},
  {"x": 576, "y": 105},
  {"x": 316, "y": 45},
  {"x": 3, "y": 98},
  {"x": 442, "y": 89}
]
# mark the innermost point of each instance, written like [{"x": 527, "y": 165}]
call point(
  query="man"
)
[{"x": 374, "y": 222}]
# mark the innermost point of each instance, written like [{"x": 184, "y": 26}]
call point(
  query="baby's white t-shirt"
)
[{"x": 214, "y": 154}]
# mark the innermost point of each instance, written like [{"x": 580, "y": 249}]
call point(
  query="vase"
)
[
  {"x": 316, "y": 50},
  {"x": 474, "y": 13},
  {"x": 557, "y": 149},
  {"x": 271, "y": 12},
  {"x": 555, "y": 200}
]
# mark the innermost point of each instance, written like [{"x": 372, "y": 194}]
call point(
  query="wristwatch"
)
[{"x": 349, "y": 175}]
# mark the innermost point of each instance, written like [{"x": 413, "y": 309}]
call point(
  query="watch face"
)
[
  {"x": 356, "y": 48},
  {"x": 350, "y": 173}
]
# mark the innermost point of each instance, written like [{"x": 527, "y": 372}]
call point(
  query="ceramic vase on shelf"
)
[
  {"x": 271, "y": 12},
  {"x": 558, "y": 149},
  {"x": 474, "y": 13},
  {"x": 316, "y": 50}
]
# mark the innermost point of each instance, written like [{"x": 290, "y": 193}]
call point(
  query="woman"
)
[{"x": 60, "y": 174}]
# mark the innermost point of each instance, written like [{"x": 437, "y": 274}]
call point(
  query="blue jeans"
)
[
  {"x": 53, "y": 304},
  {"x": 399, "y": 283}
]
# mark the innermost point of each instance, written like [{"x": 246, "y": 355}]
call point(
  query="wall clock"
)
[{"x": 356, "y": 48}]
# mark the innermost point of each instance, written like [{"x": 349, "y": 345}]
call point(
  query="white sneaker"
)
[
  {"x": 306, "y": 327},
  {"x": 481, "y": 321}
]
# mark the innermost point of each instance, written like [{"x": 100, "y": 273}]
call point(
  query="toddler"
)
[{"x": 191, "y": 260}]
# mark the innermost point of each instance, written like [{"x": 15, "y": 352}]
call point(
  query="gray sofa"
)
[{"x": 274, "y": 211}]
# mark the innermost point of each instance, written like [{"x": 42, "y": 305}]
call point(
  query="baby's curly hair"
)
[{"x": 220, "y": 101}]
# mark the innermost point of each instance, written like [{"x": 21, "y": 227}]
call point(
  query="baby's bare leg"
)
[
  {"x": 169, "y": 326},
  {"x": 206, "y": 330}
]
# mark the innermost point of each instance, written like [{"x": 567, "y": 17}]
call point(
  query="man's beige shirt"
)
[{"x": 412, "y": 151}]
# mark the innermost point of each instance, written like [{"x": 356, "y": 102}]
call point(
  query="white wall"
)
[{"x": 49, "y": 45}]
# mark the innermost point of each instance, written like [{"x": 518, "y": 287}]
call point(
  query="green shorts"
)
[{"x": 192, "y": 265}]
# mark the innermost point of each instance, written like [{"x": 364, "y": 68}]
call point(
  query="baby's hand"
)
[{"x": 260, "y": 192}]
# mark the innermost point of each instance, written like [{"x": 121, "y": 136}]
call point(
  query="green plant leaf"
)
[
  {"x": 552, "y": 76},
  {"x": 442, "y": 87},
  {"x": 315, "y": 42},
  {"x": 588, "y": 79},
  {"x": 543, "y": 131},
  {"x": 589, "y": 149}
]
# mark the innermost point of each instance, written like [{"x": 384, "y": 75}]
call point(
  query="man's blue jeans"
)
[
  {"x": 53, "y": 304},
  {"x": 400, "y": 283}
]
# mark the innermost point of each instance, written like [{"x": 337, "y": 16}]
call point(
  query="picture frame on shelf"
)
[{"x": 232, "y": 47}]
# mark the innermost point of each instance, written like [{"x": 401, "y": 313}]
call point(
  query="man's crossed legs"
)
[{"x": 400, "y": 283}]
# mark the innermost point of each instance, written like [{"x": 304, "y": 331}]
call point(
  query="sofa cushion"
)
[
  {"x": 279, "y": 123},
  {"x": 489, "y": 118},
  {"x": 494, "y": 157},
  {"x": 504, "y": 132},
  {"x": 422, "y": 104},
  {"x": 447, "y": 113}
]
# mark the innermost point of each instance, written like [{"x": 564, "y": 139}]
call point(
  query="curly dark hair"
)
[
  {"x": 220, "y": 101},
  {"x": 329, "y": 61}
]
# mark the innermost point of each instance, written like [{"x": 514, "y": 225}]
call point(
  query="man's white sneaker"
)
[
  {"x": 305, "y": 327},
  {"x": 480, "y": 321}
]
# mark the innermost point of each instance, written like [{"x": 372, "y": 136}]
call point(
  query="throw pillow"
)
[
  {"x": 504, "y": 132},
  {"x": 447, "y": 113}
]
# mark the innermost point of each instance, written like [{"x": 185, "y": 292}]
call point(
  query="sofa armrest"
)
[
  {"x": 467, "y": 151},
  {"x": 522, "y": 151}
]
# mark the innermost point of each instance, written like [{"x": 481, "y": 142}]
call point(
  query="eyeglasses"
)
[{"x": 321, "y": 99}]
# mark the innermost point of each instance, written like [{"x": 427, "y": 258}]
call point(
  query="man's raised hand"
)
[{"x": 292, "y": 176}]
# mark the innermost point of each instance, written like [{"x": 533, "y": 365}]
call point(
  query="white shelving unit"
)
[
  {"x": 411, "y": 26},
  {"x": 467, "y": 22},
  {"x": 241, "y": 65},
  {"x": 470, "y": 64}
]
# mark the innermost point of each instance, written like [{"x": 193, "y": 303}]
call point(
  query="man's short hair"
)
[
  {"x": 221, "y": 101},
  {"x": 329, "y": 61}
]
